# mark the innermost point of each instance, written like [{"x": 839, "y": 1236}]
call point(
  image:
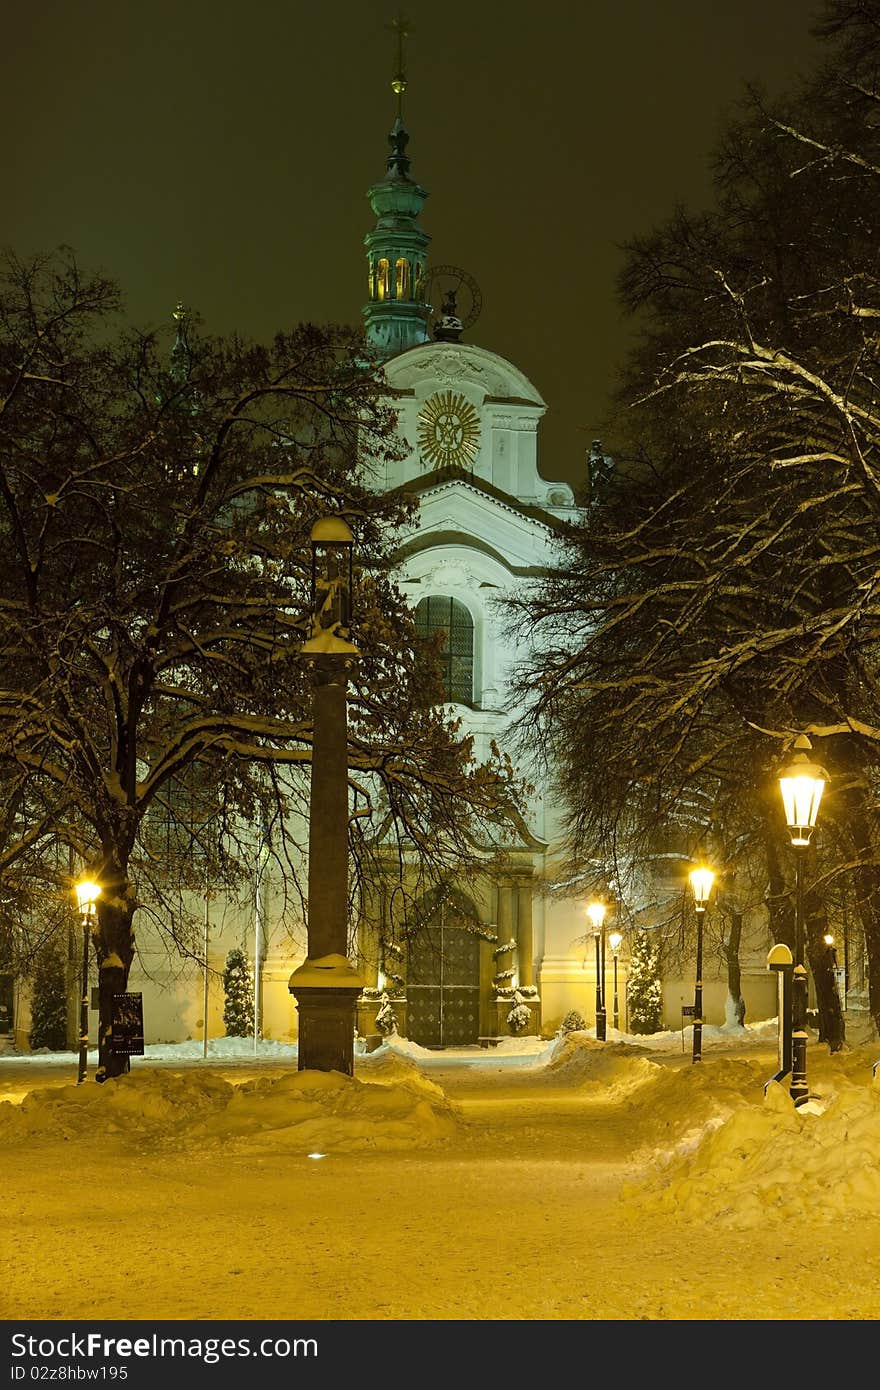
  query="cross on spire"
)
[
  {"x": 180, "y": 353},
  {"x": 403, "y": 29}
]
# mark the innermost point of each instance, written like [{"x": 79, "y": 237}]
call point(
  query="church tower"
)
[
  {"x": 487, "y": 521},
  {"x": 395, "y": 313}
]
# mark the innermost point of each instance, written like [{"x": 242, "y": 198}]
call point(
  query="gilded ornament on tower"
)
[{"x": 448, "y": 431}]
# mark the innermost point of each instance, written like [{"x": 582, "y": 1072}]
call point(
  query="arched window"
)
[
  {"x": 402, "y": 278},
  {"x": 382, "y": 278},
  {"x": 419, "y": 291},
  {"x": 441, "y": 614}
]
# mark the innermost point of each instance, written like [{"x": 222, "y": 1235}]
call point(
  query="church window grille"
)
[{"x": 439, "y": 613}]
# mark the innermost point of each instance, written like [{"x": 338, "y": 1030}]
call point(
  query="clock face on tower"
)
[{"x": 448, "y": 430}]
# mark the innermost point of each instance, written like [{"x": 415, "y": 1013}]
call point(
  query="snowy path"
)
[{"x": 517, "y": 1216}]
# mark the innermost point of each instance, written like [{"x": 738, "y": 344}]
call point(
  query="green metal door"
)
[{"x": 443, "y": 987}]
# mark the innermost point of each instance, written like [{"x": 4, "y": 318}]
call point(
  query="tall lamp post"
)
[
  {"x": 701, "y": 879},
  {"x": 326, "y": 985},
  {"x": 87, "y": 894},
  {"x": 614, "y": 941},
  {"x": 596, "y": 914},
  {"x": 801, "y": 783},
  {"x": 828, "y": 938}
]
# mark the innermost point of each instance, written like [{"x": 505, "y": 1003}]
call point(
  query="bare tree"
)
[
  {"x": 724, "y": 593},
  {"x": 155, "y": 515}
]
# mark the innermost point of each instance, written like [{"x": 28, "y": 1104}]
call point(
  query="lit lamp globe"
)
[
  {"x": 87, "y": 894},
  {"x": 802, "y": 783},
  {"x": 615, "y": 941},
  {"x": 596, "y": 914},
  {"x": 701, "y": 883}
]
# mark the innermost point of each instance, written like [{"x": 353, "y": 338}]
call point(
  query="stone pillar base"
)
[
  {"x": 326, "y": 1028},
  {"x": 502, "y": 1009}
]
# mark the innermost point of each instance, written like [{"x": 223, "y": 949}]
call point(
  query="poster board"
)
[{"x": 127, "y": 1028}]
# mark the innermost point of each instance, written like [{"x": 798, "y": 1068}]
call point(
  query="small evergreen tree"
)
[
  {"x": 573, "y": 1022},
  {"x": 238, "y": 1010},
  {"x": 386, "y": 1018},
  {"x": 643, "y": 984},
  {"x": 518, "y": 1017},
  {"x": 49, "y": 1002}
]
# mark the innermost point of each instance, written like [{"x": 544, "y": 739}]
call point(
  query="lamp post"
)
[
  {"x": 614, "y": 941},
  {"x": 326, "y": 985},
  {"x": 801, "y": 783},
  {"x": 701, "y": 879},
  {"x": 828, "y": 938},
  {"x": 87, "y": 894},
  {"x": 596, "y": 914}
]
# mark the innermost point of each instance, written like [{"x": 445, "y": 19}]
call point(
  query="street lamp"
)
[
  {"x": 596, "y": 914},
  {"x": 701, "y": 879},
  {"x": 326, "y": 985},
  {"x": 87, "y": 894},
  {"x": 614, "y": 941},
  {"x": 801, "y": 783}
]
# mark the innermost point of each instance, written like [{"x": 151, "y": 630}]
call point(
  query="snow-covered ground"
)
[{"x": 568, "y": 1179}]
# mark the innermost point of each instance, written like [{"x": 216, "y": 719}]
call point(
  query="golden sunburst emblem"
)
[{"x": 449, "y": 430}]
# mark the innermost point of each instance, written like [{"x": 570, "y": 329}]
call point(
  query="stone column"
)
[
  {"x": 326, "y": 986},
  {"x": 524, "y": 942},
  {"x": 506, "y": 919},
  {"x": 328, "y": 817}
]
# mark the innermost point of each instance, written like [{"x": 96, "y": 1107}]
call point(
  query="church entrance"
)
[{"x": 443, "y": 985}]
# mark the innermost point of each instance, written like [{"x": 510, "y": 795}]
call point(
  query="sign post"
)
[
  {"x": 780, "y": 959},
  {"x": 687, "y": 1011},
  {"x": 127, "y": 1030}
]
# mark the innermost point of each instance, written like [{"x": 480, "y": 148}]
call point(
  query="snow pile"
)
[
  {"x": 669, "y": 1110},
  {"x": 297, "y": 1111},
  {"x": 141, "y": 1104},
  {"x": 326, "y": 1111},
  {"x": 389, "y": 1066},
  {"x": 395, "y": 1043},
  {"x": 612, "y": 1068},
  {"x": 521, "y": 1047},
  {"x": 194, "y": 1049},
  {"x": 716, "y": 1038},
  {"x": 686, "y": 1103},
  {"x": 771, "y": 1160}
]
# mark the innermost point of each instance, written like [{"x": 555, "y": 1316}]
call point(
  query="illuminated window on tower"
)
[
  {"x": 441, "y": 614},
  {"x": 382, "y": 278},
  {"x": 402, "y": 279}
]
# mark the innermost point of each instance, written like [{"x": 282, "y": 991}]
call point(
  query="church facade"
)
[{"x": 487, "y": 522}]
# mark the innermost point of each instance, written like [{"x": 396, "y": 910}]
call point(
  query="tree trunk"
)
[
  {"x": 832, "y": 1027},
  {"x": 735, "y": 1009},
  {"x": 114, "y": 945},
  {"x": 780, "y": 899},
  {"x": 867, "y": 883},
  {"x": 855, "y": 813}
]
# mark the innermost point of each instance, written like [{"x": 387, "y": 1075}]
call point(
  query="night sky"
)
[{"x": 220, "y": 153}]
